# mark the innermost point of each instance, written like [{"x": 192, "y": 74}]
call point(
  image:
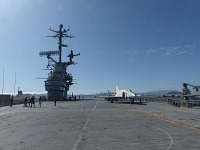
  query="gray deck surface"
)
[{"x": 99, "y": 125}]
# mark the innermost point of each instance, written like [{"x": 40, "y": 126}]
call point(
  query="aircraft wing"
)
[{"x": 138, "y": 95}]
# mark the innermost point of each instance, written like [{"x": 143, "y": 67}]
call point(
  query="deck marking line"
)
[
  {"x": 169, "y": 137},
  {"x": 170, "y": 120},
  {"x": 84, "y": 127}
]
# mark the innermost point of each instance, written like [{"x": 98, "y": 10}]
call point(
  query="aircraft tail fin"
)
[{"x": 117, "y": 89}]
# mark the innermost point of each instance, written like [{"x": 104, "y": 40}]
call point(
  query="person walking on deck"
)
[
  {"x": 11, "y": 101},
  {"x": 40, "y": 101}
]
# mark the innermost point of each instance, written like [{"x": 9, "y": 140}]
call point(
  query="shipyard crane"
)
[{"x": 187, "y": 93}]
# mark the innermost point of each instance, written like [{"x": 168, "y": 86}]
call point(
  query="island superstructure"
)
[{"x": 59, "y": 80}]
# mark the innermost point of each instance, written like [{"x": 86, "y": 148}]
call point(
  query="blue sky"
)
[{"x": 144, "y": 45}]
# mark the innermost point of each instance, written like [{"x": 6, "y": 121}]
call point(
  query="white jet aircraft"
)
[
  {"x": 123, "y": 95},
  {"x": 126, "y": 93}
]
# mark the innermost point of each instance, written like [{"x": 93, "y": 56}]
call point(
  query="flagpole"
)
[
  {"x": 14, "y": 84},
  {"x": 3, "y": 82}
]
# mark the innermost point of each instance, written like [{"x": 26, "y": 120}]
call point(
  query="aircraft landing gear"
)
[
  {"x": 111, "y": 100},
  {"x": 132, "y": 101}
]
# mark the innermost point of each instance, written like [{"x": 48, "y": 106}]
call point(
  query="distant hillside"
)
[
  {"x": 174, "y": 93},
  {"x": 163, "y": 92}
]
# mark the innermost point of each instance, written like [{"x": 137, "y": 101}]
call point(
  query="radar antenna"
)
[{"x": 62, "y": 33}]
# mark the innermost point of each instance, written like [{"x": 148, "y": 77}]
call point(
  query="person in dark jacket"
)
[
  {"x": 33, "y": 101},
  {"x": 25, "y": 102},
  {"x": 11, "y": 101},
  {"x": 40, "y": 101},
  {"x": 54, "y": 99}
]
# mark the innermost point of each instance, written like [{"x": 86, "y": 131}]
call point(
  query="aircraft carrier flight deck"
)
[{"x": 99, "y": 125}]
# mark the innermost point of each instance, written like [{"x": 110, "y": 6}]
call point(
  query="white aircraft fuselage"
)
[{"x": 126, "y": 93}]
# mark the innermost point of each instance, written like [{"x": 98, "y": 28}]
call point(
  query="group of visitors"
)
[{"x": 30, "y": 102}]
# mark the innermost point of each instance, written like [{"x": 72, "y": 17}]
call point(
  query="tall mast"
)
[
  {"x": 60, "y": 43},
  {"x": 62, "y": 33}
]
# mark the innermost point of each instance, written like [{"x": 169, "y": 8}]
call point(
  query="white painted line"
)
[
  {"x": 171, "y": 143},
  {"x": 95, "y": 106},
  {"x": 84, "y": 127}
]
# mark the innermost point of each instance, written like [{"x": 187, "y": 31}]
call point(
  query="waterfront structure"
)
[{"x": 59, "y": 80}]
